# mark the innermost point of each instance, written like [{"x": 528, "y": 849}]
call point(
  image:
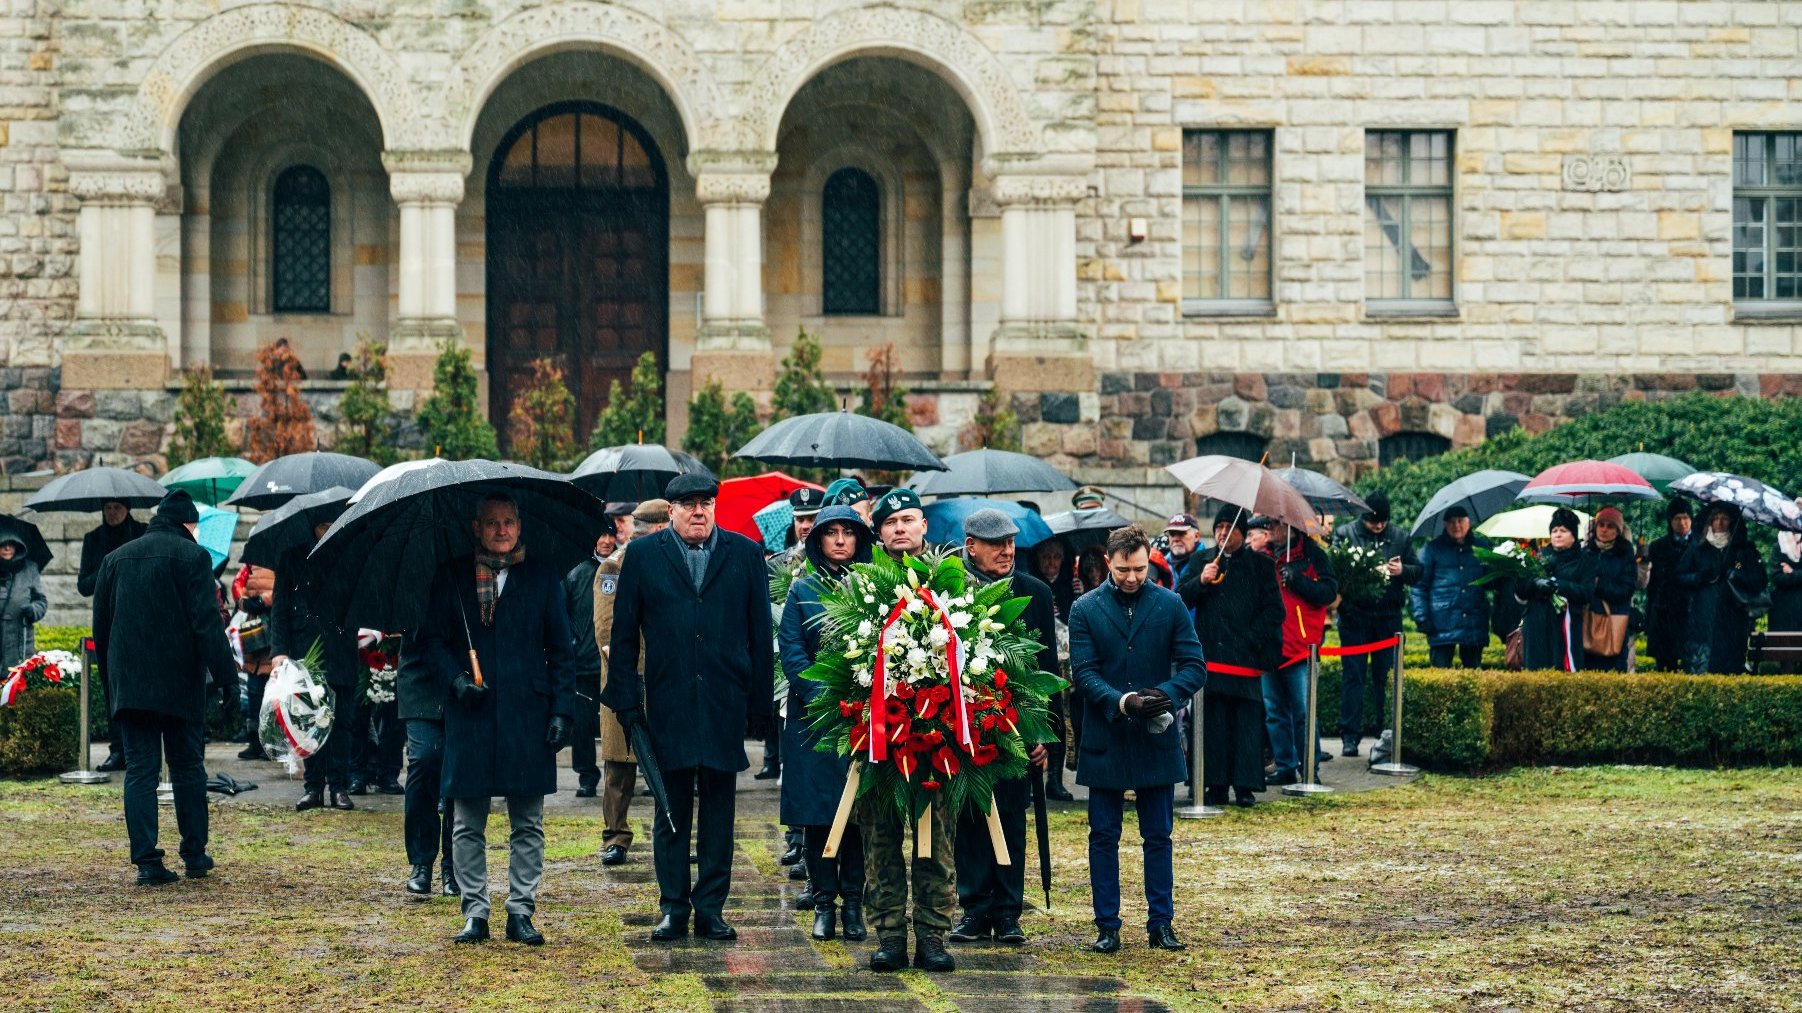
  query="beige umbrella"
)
[{"x": 1248, "y": 485}]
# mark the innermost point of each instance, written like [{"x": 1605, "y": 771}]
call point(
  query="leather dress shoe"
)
[
  {"x": 792, "y": 855},
  {"x": 340, "y": 800},
  {"x": 890, "y": 955},
  {"x": 155, "y": 874},
  {"x": 584, "y": 791},
  {"x": 358, "y": 786},
  {"x": 1213, "y": 795},
  {"x": 930, "y": 955},
  {"x": 1106, "y": 941},
  {"x": 114, "y": 761},
  {"x": 391, "y": 786},
  {"x": 613, "y": 854},
  {"x": 1161, "y": 938},
  {"x": 421, "y": 880},
  {"x": 1348, "y": 747},
  {"x": 450, "y": 888},
  {"x": 1008, "y": 930},
  {"x": 825, "y": 921},
  {"x": 851, "y": 919},
  {"x": 520, "y": 930},
  {"x": 669, "y": 928},
  {"x": 1056, "y": 792},
  {"x": 714, "y": 928},
  {"x": 254, "y": 751},
  {"x": 311, "y": 800},
  {"x": 1243, "y": 798},
  {"x": 199, "y": 867},
  {"x": 474, "y": 931},
  {"x": 769, "y": 773},
  {"x": 969, "y": 929}
]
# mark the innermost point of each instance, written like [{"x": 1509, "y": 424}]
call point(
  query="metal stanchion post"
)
[
  {"x": 81, "y": 774},
  {"x": 1196, "y": 809},
  {"x": 1311, "y": 748},
  {"x": 1395, "y": 767}
]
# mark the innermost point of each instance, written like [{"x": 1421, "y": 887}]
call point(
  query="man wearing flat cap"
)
[
  {"x": 694, "y": 603},
  {"x": 1364, "y": 620},
  {"x": 993, "y": 895}
]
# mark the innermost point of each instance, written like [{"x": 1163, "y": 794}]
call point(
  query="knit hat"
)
[
  {"x": 1611, "y": 515},
  {"x": 1565, "y": 518},
  {"x": 893, "y": 502},
  {"x": 1379, "y": 506},
  {"x": 179, "y": 507},
  {"x": 1677, "y": 507},
  {"x": 1235, "y": 516},
  {"x": 1455, "y": 513}
]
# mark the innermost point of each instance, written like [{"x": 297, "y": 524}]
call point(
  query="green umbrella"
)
[
  {"x": 210, "y": 479},
  {"x": 1657, "y": 469}
]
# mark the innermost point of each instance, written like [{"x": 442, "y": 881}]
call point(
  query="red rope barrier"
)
[
  {"x": 1225, "y": 669},
  {"x": 1370, "y": 648}
]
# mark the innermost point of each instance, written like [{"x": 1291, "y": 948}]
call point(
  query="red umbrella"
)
[
  {"x": 740, "y": 498},
  {"x": 1586, "y": 480}
]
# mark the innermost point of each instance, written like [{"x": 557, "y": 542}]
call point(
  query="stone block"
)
[
  {"x": 1204, "y": 420},
  {"x": 1071, "y": 373},
  {"x": 923, "y": 410},
  {"x": 1231, "y": 415},
  {"x": 68, "y": 434},
  {"x": 1387, "y": 417},
  {"x": 1081, "y": 441},
  {"x": 115, "y": 370},
  {"x": 141, "y": 438},
  {"x": 1443, "y": 420},
  {"x": 1041, "y": 439},
  {"x": 1250, "y": 386},
  {"x": 1287, "y": 396},
  {"x": 1059, "y": 407},
  {"x": 100, "y": 434}
]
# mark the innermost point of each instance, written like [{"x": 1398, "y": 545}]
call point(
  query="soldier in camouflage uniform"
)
[{"x": 901, "y": 527}]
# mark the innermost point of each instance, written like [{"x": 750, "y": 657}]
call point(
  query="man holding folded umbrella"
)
[
  {"x": 700, "y": 599},
  {"x": 511, "y": 711}
]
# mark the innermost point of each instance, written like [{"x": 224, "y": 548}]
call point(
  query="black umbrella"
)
[
  {"x": 1082, "y": 528},
  {"x": 284, "y": 478},
  {"x": 1482, "y": 495},
  {"x": 375, "y": 565},
  {"x": 1322, "y": 493},
  {"x": 1042, "y": 823},
  {"x": 35, "y": 548},
  {"x": 840, "y": 440},
  {"x": 290, "y": 526},
  {"x": 990, "y": 473},
  {"x": 653, "y": 774},
  {"x": 87, "y": 490},
  {"x": 634, "y": 472}
]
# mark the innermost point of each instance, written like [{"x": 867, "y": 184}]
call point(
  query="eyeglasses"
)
[{"x": 689, "y": 506}]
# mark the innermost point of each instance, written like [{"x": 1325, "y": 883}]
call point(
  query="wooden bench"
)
[{"x": 1781, "y": 647}]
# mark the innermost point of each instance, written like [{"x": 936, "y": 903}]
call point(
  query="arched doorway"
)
[{"x": 578, "y": 254}]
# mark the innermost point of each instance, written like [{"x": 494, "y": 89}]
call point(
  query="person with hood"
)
[
  {"x": 1368, "y": 620},
  {"x": 1309, "y": 585},
  {"x": 158, "y": 635},
  {"x": 814, "y": 780},
  {"x": 117, "y": 527},
  {"x": 1452, "y": 613},
  {"x": 993, "y": 895},
  {"x": 1722, "y": 573},
  {"x": 1613, "y": 577},
  {"x": 298, "y": 621},
  {"x": 1667, "y": 605},
  {"x": 1552, "y": 636},
  {"x": 22, "y": 602},
  {"x": 1238, "y": 610},
  {"x": 1786, "y": 586},
  {"x": 1133, "y": 658}
]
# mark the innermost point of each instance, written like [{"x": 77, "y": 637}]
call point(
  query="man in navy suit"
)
[{"x": 1133, "y": 655}]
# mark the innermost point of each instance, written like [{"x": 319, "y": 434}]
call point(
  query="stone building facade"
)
[{"x": 1346, "y": 231}]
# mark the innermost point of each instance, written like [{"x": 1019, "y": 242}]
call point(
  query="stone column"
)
[
  {"x": 427, "y": 186},
  {"x": 116, "y": 342},
  {"x": 734, "y": 343},
  {"x": 1039, "y": 344}
]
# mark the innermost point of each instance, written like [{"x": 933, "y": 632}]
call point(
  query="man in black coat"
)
[
  {"x": 578, "y": 602},
  {"x": 117, "y": 527},
  {"x": 993, "y": 895},
  {"x": 1667, "y": 604},
  {"x": 1363, "y": 622},
  {"x": 296, "y": 623},
  {"x": 700, "y": 598},
  {"x": 419, "y": 699},
  {"x": 1238, "y": 609},
  {"x": 510, "y": 713},
  {"x": 158, "y": 634}
]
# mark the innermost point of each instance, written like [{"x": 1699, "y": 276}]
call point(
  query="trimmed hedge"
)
[{"x": 39, "y": 734}]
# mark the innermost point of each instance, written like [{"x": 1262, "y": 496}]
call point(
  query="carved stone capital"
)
[
  {"x": 414, "y": 187},
  {"x": 422, "y": 336},
  {"x": 734, "y": 188},
  {"x": 1039, "y": 190},
  {"x": 119, "y": 186}
]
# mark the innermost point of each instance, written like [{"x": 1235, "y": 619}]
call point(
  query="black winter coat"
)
[
  {"x": 418, "y": 692},
  {"x": 709, "y": 656},
  {"x": 578, "y": 603},
  {"x": 1667, "y": 602},
  {"x": 1239, "y": 621},
  {"x": 1786, "y": 594},
  {"x": 97, "y": 544},
  {"x": 1718, "y": 623},
  {"x": 1546, "y": 633},
  {"x": 296, "y": 621},
  {"x": 496, "y": 746},
  {"x": 1384, "y": 614},
  {"x": 157, "y": 629},
  {"x": 1040, "y": 619},
  {"x": 1110, "y": 656}
]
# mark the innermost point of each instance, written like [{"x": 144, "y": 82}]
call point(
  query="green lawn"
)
[{"x": 1591, "y": 889}]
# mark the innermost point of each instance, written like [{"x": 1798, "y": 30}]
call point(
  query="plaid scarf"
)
[{"x": 488, "y": 588}]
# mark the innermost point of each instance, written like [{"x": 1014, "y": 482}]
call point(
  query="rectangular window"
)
[
  {"x": 1767, "y": 220},
  {"x": 1408, "y": 220},
  {"x": 1226, "y": 221}
]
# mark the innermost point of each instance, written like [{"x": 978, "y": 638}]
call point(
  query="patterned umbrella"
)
[
  {"x": 1586, "y": 481},
  {"x": 215, "y": 531},
  {"x": 1757, "y": 501},
  {"x": 774, "y": 523}
]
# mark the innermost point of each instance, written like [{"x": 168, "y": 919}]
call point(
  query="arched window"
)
[
  {"x": 1244, "y": 446},
  {"x": 851, "y": 244},
  {"x": 301, "y": 256},
  {"x": 1411, "y": 447}
]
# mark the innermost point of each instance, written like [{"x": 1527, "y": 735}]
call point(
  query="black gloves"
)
[
  {"x": 1545, "y": 585},
  {"x": 464, "y": 688},
  {"x": 557, "y": 736},
  {"x": 1295, "y": 572},
  {"x": 1155, "y": 702},
  {"x": 629, "y": 718}
]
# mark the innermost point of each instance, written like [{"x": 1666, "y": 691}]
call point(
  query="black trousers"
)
[
  {"x": 330, "y": 767},
  {"x": 379, "y": 742},
  {"x": 838, "y": 878},
  {"x": 147, "y": 738},
  {"x": 1232, "y": 741},
  {"x": 986, "y": 890},
  {"x": 588, "y": 728},
  {"x": 254, "y": 706},
  {"x": 1358, "y": 669},
  {"x": 426, "y": 825},
  {"x": 718, "y": 795},
  {"x": 1440, "y": 656}
]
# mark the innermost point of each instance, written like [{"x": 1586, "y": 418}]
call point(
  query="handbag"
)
[
  {"x": 1755, "y": 604},
  {"x": 253, "y": 632},
  {"x": 1604, "y": 633},
  {"x": 1514, "y": 650}
]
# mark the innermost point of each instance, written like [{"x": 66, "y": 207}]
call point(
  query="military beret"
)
[
  {"x": 893, "y": 502},
  {"x": 990, "y": 525},
  {"x": 844, "y": 492},
  {"x": 806, "y": 502},
  {"x": 694, "y": 485}
]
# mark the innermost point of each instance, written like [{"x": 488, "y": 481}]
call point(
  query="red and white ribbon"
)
[
  {"x": 954, "y": 663},
  {"x": 11, "y": 690},
  {"x": 879, "y": 687}
]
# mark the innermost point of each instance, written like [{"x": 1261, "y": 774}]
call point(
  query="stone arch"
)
[
  {"x": 653, "y": 48},
  {"x": 242, "y": 32},
  {"x": 975, "y": 73}
]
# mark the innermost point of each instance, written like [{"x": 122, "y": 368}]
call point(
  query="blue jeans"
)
[
  {"x": 1155, "y": 816},
  {"x": 1286, "y": 715},
  {"x": 428, "y": 832}
]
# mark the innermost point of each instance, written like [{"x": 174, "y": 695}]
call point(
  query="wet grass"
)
[{"x": 1584, "y": 889}]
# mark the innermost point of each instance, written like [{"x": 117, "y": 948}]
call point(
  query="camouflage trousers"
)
[{"x": 887, "y": 854}]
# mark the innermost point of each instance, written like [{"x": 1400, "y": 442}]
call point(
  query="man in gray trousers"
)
[{"x": 503, "y": 726}]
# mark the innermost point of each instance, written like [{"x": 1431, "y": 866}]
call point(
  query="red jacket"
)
[{"x": 1309, "y": 586}]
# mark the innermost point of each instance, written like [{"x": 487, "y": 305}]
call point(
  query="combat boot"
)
[
  {"x": 890, "y": 955},
  {"x": 930, "y": 954}
]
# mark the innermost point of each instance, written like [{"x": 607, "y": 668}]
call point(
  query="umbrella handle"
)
[{"x": 475, "y": 667}]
